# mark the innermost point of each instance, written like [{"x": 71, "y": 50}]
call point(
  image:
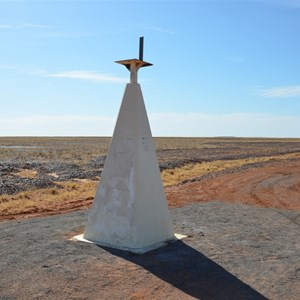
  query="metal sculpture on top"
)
[{"x": 134, "y": 64}]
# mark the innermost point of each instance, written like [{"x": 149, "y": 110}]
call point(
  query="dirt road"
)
[
  {"x": 274, "y": 185},
  {"x": 247, "y": 248}
]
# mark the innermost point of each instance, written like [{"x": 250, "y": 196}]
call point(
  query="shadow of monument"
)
[{"x": 191, "y": 272}]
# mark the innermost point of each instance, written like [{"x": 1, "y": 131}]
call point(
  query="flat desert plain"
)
[
  {"x": 236, "y": 199},
  {"x": 42, "y": 176}
]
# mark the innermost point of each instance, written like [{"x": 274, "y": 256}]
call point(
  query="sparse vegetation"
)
[
  {"x": 47, "y": 199},
  {"x": 45, "y": 174},
  {"x": 191, "y": 170},
  {"x": 27, "y": 173}
]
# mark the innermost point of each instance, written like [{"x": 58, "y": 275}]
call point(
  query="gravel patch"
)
[{"x": 232, "y": 252}]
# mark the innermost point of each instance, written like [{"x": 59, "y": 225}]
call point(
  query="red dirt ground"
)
[
  {"x": 275, "y": 185},
  {"x": 228, "y": 263}
]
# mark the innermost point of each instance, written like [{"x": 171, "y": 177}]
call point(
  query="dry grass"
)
[
  {"x": 50, "y": 199},
  {"x": 189, "y": 171},
  {"x": 46, "y": 199},
  {"x": 80, "y": 151},
  {"x": 27, "y": 173},
  {"x": 77, "y": 150}
]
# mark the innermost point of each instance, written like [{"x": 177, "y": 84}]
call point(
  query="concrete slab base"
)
[{"x": 177, "y": 236}]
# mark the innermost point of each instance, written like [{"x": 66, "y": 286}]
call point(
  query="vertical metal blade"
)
[{"x": 141, "y": 54}]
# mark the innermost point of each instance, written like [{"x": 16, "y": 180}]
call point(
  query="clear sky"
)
[{"x": 221, "y": 68}]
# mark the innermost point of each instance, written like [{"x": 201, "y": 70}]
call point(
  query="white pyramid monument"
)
[{"x": 130, "y": 211}]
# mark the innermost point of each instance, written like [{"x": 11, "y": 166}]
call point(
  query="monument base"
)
[{"x": 142, "y": 250}]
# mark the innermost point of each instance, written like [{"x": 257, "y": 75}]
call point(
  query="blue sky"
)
[{"x": 221, "y": 68}]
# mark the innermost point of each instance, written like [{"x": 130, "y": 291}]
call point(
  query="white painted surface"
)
[
  {"x": 130, "y": 209},
  {"x": 177, "y": 236}
]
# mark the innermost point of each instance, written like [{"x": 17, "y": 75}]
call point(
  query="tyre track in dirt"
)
[
  {"x": 275, "y": 184},
  {"x": 57, "y": 209}
]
